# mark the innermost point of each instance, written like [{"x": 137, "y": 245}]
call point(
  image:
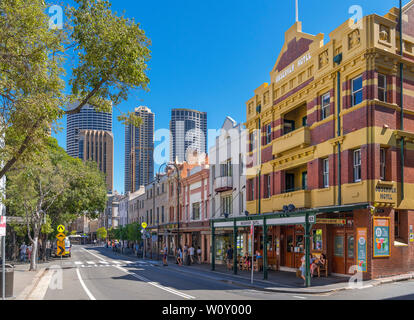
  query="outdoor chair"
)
[{"x": 323, "y": 269}]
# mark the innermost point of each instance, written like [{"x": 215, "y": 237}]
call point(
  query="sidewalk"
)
[{"x": 278, "y": 281}]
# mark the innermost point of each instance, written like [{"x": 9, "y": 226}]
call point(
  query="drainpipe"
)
[
  {"x": 338, "y": 60},
  {"x": 402, "y": 101}
]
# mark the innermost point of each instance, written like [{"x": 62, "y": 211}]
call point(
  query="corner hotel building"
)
[{"x": 325, "y": 136}]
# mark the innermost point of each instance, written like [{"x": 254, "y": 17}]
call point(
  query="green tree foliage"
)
[
  {"x": 105, "y": 55},
  {"x": 101, "y": 233},
  {"x": 54, "y": 186}
]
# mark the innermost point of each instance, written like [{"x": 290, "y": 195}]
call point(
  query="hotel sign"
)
[
  {"x": 330, "y": 221},
  {"x": 385, "y": 193},
  {"x": 291, "y": 68}
]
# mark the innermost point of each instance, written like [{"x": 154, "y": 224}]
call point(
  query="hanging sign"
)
[
  {"x": 381, "y": 237},
  {"x": 2, "y": 226},
  {"x": 362, "y": 249}
]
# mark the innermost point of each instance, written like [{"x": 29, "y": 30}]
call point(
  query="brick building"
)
[{"x": 325, "y": 140}]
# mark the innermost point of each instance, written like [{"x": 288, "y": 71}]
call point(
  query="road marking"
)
[
  {"x": 93, "y": 254},
  {"x": 78, "y": 262},
  {"x": 91, "y": 262},
  {"x": 91, "y": 297},
  {"x": 104, "y": 262},
  {"x": 155, "y": 284},
  {"x": 117, "y": 262},
  {"x": 40, "y": 290},
  {"x": 299, "y": 297}
]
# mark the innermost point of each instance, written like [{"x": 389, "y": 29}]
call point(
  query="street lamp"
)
[{"x": 173, "y": 164}]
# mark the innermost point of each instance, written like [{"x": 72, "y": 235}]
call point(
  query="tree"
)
[
  {"x": 101, "y": 233},
  {"x": 53, "y": 185},
  {"x": 108, "y": 55}
]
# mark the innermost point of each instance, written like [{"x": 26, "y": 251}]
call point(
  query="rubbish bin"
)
[{"x": 9, "y": 280}]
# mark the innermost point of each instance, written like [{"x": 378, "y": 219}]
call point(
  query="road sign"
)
[
  {"x": 61, "y": 229},
  {"x": 60, "y": 251},
  {"x": 2, "y": 226},
  {"x": 144, "y": 225},
  {"x": 61, "y": 236}
]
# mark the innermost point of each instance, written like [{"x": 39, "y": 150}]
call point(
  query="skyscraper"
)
[
  {"x": 89, "y": 137},
  {"x": 139, "y": 151},
  {"x": 188, "y": 132}
]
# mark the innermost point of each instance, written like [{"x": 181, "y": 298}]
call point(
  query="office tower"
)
[
  {"x": 188, "y": 129},
  {"x": 139, "y": 151},
  {"x": 89, "y": 137}
]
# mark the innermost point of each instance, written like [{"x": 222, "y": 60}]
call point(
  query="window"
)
[
  {"x": 357, "y": 165},
  {"x": 304, "y": 180},
  {"x": 227, "y": 205},
  {"x": 268, "y": 133},
  {"x": 227, "y": 169},
  {"x": 305, "y": 121},
  {"x": 267, "y": 193},
  {"x": 397, "y": 224},
  {"x": 251, "y": 141},
  {"x": 288, "y": 126},
  {"x": 289, "y": 182},
  {"x": 317, "y": 240},
  {"x": 325, "y": 173},
  {"x": 357, "y": 94},
  {"x": 382, "y": 87},
  {"x": 251, "y": 189},
  {"x": 196, "y": 211},
  {"x": 326, "y": 102},
  {"x": 382, "y": 163}
]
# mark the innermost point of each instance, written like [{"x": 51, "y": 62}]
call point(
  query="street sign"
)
[
  {"x": 61, "y": 236},
  {"x": 60, "y": 251},
  {"x": 2, "y": 226},
  {"x": 61, "y": 229},
  {"x": 144, "y": 225},
  {"x": 330, "y": 221}
]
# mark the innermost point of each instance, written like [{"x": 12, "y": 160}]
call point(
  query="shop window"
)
[
  {"x": 351, "y": 243},
  {"x": 382, "y": 163},
  {"x": 326, "y": 101},
  {"x": 357, "y": 93},
  {"x": 299, "y": 244},
  {"x": 317, "y": 240},
  {"x": 339, "y": 246},
  {"x": 357, "y": 165},
  {"x": 325, "y": 173},
  {"x": 382, "y": 87},
  {"x": 290, "y": 247}
]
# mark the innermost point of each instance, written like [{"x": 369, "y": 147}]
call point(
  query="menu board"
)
[
  {"x": 381, "y": 237},
  {"x": 362, "y": 249}
]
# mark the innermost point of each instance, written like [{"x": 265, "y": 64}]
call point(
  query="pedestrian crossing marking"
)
[
  {"x": 78, "y": 262},
  {"x": 90, "y": 262}
]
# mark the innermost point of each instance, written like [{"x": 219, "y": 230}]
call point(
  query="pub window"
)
[
  {"x": 357, "y": 165},
  {"x": 382, "y": 87},
  {"x": 397, "y": 224},
  {"x": 326, "y": 173},
  {"x": 382, "y": 163},
  {"x": 326, "y": 101},
  {"x": 357, "y": 94},
  {"x": 317, "y": 240},
  {"x": 268, "y": 133}
]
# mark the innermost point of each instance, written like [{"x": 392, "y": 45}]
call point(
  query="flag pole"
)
[{"x": 297, "y": 11}]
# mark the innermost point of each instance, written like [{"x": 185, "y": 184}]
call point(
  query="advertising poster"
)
[
  {"x": 362, "y": 249},
  {"x": 381, "y": 237}
]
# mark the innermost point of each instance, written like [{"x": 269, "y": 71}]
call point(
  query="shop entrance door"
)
[
  {"x": 338, "y": 261},
  {"x": 350, "y": 251},
  {"x": 290, "y": 248}
]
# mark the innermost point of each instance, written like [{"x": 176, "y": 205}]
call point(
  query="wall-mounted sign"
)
[
  {"x": 362, "y": 238},
  {"x": 291, "y": 68},
  {"x": 330, "y": 221},
  {"x": 381, "y": 237},
  {"x": 386, "y": 194}
]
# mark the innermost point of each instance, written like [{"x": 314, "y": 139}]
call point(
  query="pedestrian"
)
[
  {"x": 199, "y": 255},
  {"x": 180, "y": 257},
  {"x": 164, "y": 257},
  {"x": 29, "y": 252},
  {"x": 185, "y": 255},
  {"x": 23, "y": 248},
  {"x": 191, "y": 250},
  {"x": 229, "y": 257}
]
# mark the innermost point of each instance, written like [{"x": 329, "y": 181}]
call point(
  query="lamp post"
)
[{"x": 173, "y": 164}]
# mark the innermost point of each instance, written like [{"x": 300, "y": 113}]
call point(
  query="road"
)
[{"x": 95, "y": 273}]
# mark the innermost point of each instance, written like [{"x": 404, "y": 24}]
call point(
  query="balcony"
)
[
  {"x": 298, "y": 138},
  {"x": 300, "y": 199},
  {"x": 223, "y": 184}
]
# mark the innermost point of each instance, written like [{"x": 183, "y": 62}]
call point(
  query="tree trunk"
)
[
  {"x": 33, "y": 260},
  {"x": 44, "y": 243}
]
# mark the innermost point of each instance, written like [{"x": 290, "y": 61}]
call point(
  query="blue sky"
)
[{"x": 210, "y": 55}]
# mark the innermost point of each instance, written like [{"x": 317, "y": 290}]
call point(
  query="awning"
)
[{"x": 284, "y": 218}]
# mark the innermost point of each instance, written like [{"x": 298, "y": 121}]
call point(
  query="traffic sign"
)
[
  {"x": 2, "y": 226},
  {"x": 61, "y": 236},
  {"x": 144, "y": 225},
  {"x": 60, "y": 251},
  {"x": 61, "y": 229}
]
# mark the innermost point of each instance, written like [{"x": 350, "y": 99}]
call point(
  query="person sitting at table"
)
[
  {"x": 314, "y": 264},
  {"x": 258, "y": 257},
  {"x": 246, "y": 260}
]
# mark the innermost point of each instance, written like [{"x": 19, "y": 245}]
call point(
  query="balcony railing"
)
[
  {"x": 300, "y": 199},
  {"x": 298, "y": 138},
  {"x": 222, "y": 184}
]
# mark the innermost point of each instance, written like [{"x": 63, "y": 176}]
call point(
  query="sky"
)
[{"x": 211, "y": 55}]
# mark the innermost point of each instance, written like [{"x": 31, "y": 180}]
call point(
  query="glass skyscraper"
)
[
  {"x": 188, "y": 132},
  {"x": 139, "y": 151}
]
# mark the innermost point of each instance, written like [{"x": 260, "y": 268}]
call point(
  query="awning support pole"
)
[
  {"x": 213, "y": 248},
  {"x": 307, "y": 252},
  {"x": 235, "y": 253},
  {"x": 265, "y": 249}
]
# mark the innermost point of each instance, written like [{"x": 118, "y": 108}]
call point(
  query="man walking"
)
[
  {"x": 229, "y": 257},
  {"x": 185, "y": 255},
  {"x": 164, "y": 257},
  {"x": 23, "y": 252},
  {"x": 191, "y": 254}
]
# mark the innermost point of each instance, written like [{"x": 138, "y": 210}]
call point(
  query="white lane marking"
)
[
  {"x": 299, "y": 297},
  {"x": 91, "y": 262},
  {"x": 117, "y": 262},
  {"x": 91, "y": 297},
  {"x": 78, "y": 262},
  {"x": 93, "y": 254},
  {"x": 170, "y": 290},
  {"x": 128, "y": 262},
  {"x": 104, "y": 262}
]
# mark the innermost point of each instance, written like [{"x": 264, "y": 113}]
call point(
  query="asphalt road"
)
[{"x": 95, "y": 273}]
